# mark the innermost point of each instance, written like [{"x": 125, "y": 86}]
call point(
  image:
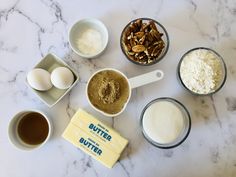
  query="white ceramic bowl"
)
[
  {"x": 14, "y": 137},
  {"x": 80, "y": 27}
]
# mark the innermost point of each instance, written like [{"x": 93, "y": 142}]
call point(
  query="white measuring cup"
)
[{"x": 133, "y": 82}]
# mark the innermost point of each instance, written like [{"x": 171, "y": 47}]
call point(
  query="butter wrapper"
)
[
  {"x": 95, "y": 138},
  {"x": 101, "y": 131},
  {"x": 89, "y": 145}
]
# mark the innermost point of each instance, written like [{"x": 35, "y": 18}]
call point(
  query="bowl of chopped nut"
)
[{"x": 144, "y": 41}]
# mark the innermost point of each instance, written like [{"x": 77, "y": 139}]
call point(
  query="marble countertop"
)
[{"x": 31, "y": 29}]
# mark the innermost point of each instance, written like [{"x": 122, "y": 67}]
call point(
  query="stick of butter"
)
[
  {"x": 104, "y": 133},
  {"x": 89, "y": 145},
  {"x": 95, "y": 138}
]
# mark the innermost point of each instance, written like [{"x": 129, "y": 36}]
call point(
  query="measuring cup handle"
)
[{"x": 146, "y": 78}]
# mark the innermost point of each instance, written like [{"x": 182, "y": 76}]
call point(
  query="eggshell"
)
[
  {"x": 39, "y": 79},
  {"x": 62, "y": 77}
]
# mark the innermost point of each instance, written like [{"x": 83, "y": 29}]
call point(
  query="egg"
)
[
  {"x": 62, "y": 78},
  {"x": 39, "y": 79}
]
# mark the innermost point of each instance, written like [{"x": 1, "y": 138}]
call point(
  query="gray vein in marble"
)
[
  {"x": 223, "y": 24},
  {"x": 20, "y": 12},
  {"x": 7, "y": 49},
  {"x": 28, "y": 18},
  {"x": 69, "y": 109},
  {"x": 232, "y": 70},
  {"x": 158, "y": 11},
  {"x": 231, "y": 103},
  {"x": 112, "y": 122},
  {"x": 4, "y": 69},
  {"x": 124, "y": 168},
  {"x": 215, "y": 111},
  {"x": 194, "y": 5},
  {"x": 75, "y": 162},
  {"x": 89, "y": 164},
  {"x": 5, "y": 13},
  {"x": 215, "y": 155},
  {"x": 67, "y": 170},
  {"x": 168, "y": 153},
  {"x": 79, "y": 62},
  {"x": 55, "y": 6},
  {"x": 86, "y": 163},
  {"x": 50, "y": 48},
  {"x": 128, "y": 152},
  {"x": 92, "y": 64},
  {"x": 194, "y": 20},
  {"x": 13, "y": 80}
]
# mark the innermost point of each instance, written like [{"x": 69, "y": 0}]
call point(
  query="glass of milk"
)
[{"x": 165, "y": 122}]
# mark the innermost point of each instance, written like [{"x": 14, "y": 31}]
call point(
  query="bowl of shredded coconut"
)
[
  {"x": 88, "y": 37},
  {"x": 202, "y": 71}
]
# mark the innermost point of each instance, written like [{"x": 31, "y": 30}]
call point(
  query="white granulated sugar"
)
[
  {"x": 90, "y": 42},
  {"x": 201, "y": 71},
  {"x": 163, "y": 122}
]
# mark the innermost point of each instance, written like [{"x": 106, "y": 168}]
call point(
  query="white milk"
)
[{"x": 163, "y": 122}]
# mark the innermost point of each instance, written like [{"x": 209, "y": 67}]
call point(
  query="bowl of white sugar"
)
[
  {"x": 165, "y": 122},
  {"x": 202, "y": 71},
  {"x": 88, "y": 38}
]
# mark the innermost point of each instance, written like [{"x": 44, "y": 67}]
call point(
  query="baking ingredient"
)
[
  {"x": 101, "y": 131},
  {"x": 90, "y": 145},
  {"x": 201, "y": 71},
  {"x": 39, "y": 79},
  {"x": 163, "y": 122},
  {"x": 95, "y": 138},
  {"x": 108, "y": 91},
  {"x": 90, "y": 42},
  {"x": 33, "y": 128},
  {"x": 62, "y": 78},
  {"x": 142, "y": 42}
]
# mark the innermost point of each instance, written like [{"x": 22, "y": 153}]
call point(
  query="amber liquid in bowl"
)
[{"x": 33, "y": 128}]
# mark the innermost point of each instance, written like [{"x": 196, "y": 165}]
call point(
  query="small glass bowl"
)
[
  {"x": 165, "y": 38},
  {"x": 224, "y": 69},
  {"x": 183, "y": 135}
]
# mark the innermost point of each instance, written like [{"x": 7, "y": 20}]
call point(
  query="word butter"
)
[{"x": 95, "y": 138}]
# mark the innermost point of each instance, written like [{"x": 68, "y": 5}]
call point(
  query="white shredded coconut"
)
[
  {"x": 90, "y": 42},
  {"x": 201, "y": 71}
]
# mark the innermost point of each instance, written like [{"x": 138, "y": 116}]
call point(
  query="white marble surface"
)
[{"x": 29, "y": 29}]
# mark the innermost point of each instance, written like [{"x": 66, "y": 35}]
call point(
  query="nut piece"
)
[
  {"x": 139, "y": 34},
  {"x": 143, "y": 42},
  {"x": 138, "y": 48}
]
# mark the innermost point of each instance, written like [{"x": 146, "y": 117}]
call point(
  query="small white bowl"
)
[
  {"x": 14, "y": 137},
  {"x": 83, "y": 25}
]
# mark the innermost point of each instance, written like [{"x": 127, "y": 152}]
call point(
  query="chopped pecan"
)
[
  {"x": 139, "y": 23},
  {"x": 141, "y": 41},
  {"x": 138, "y": 48},
  {"x": 132, "y": 42},
  {"x": 152, "y": 25},
  {"x": 139, "y": 34}
]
